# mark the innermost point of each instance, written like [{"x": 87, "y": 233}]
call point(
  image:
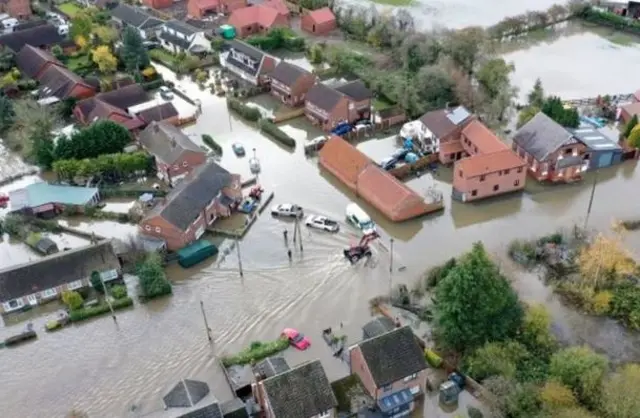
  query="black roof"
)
[
  {"x": 41, "y": 36},
  {"x": 393, "y": 356},
  {"x": 287, "y": 73},
  {"x": 158, "y": 113},
  {"x": 134, "y": 16},
  {"x": 186, "y": 393},
  {"x": 55, "y": 270},
  {"x": 29, "y": 24},
  {"x": 186, "y": 202},
  {"x": 542, "y": 136},
  {"x": 122, "y": 98},
  {"x": 58, "y": 82},
  {"x": 208, "y": 411},
  {"x": 174, "y": 39},
  {"x": 303, "y": 391},
  {"x": 182, "y": 27},
  {"x": 234, "y": 408},
  {"x": 30, "y": 60},
  {"x": 271, "y": 366},
  {"x": 355, "y": 90},
  {"x": 377, "y": 326},
  {"x": 324, "y": 97},
  {"x": 246, "y": 49}
]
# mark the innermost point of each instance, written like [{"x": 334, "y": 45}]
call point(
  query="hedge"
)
[
  {"x": 276, "y": 133},
  {"x": 247, "y": 112},
  {"x": 611, "y": 19},
  {"x": 152, "y": 85},
  {"x": 207, "y": 139},
  {"x": 101, "y": 309},
  {"x": 256, "y": 352}
]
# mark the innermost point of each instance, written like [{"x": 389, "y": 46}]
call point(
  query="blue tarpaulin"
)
[{"x": 395, "y": 400}]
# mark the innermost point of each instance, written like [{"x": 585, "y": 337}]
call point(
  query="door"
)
[{"x": 605, "y": 160}]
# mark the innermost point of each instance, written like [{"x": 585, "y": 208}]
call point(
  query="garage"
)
[{"x": 604, "y": 151}]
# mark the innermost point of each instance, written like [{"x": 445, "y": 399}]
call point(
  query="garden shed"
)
[{"x": 196, "y": 252}]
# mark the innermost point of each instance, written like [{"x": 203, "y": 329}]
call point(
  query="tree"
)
[
  {"x": 57, "y": 52},
  {"x": 554, "y": 108},
  {"x": 106, "y": 61},
  {"x": 153, "y": 281},
  {"x": 465, "y": 47},
  {"x": 7, "y": 114},
  {"x": 81, "y": 42},
  {"x": 105, "y": 34},
  {"x": 512, "y": 399},
  {"x": 476, "y": 304},
  {"x": 102, "y": 137},
  {"x": 535, "y": 333},
  {"x": 133, "y": 53},
  {"x": 495, "y": 359},
  {"x": 7, "y": 59},
  {"x": 556, "y": 396},
  {"x": 42, "y": 147},
  {"x": 633, "y": 139},
  {"x": 436, "y": 87},
  {"x": 582, "y": 370},
  {"x": 493, "y": 76},
  {"x": 620, "y": 393},
  {"x": 603, "y": 262},
  {"x": 96, "y": 282},
  {"x": 31, "y": 121},
  {"x": 81, "y": 26},
  {"x": 72, "y": 299},
  {"x": 526, "y": 114},
  {"x": 628, "y": 128},
  {"x": 536, "y": 95}
]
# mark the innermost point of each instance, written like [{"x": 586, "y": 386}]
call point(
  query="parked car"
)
[
  {"x": 388, "y": 163},
  {"x": 342, "y": 129},
  {"x": 151, "y": 44},
  {"x": 358, "y": 218},
  {"x": 322, "y": 222},
  {"x": 238, "y": 149},
  {"x": 166, "y": 93},
  {"x": 296, "y": 339},
  {"x": 287, "y": 209}
]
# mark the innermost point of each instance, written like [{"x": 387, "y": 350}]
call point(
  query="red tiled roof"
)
[
  {"x": 482, "y": 164},
  {"x": 451, "y": 147},
  {"x": 277, "y": 5},
  {"x": 323, "y": 15},
  {"x": 206, "y": 4},
  {"x": 632, "y": 109},
  {"x": 260, "y": 14},
  {"x": 337, "y": 155},
  {"x": 483, "y": 138}
]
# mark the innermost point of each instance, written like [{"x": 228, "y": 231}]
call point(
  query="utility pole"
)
[
  {"x": 206, "y": 324},
  {"x": 239, "y": 257},
  {"x": 106, "y": 297},
  {"x": 593, "y": 192},
  {"x": 391, "y": 266},
  {"x": 299, "y": 234}
]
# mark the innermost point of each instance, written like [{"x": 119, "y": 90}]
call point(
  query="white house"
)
[
  {"x": 176, "y": 37},
  {"x": 146, "y": 25}
]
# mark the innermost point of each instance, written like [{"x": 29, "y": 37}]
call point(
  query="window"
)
[
  {"x": 147, "y": 228},
  {"x": 482, "y": 178},
  {"x": 387, "y": 388},
  {"x": 158, "y": 229},
  {"x": 410, "y": 377},
  {"x": 48, "y": 293},
  {"x": 519, "y": 169},
  {"x": 568, "y": 151},
  {"x": 74, "y": 285},
  {"x": 474, "y": 193},
  {"x": 460, "y": 173},
  {"x": 13, "y": 303},
  {"x": 33, "y": 300},
  {"x": 475, "y": 149},
  {"x": 496, "y": 188},
  {"x": 506, "y": 172},
  {"x": 185, "y": 164},
  {"x": 325, "y": 414},
  {"x": 516, "y": 183},
  {"x": 500, "y": 172}
]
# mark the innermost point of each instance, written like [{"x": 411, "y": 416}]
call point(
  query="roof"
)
[
  {"x": 482, "y": 137},
  {"x": 287, "y": 73},
  {"x": 208, "y": 411},
  {"x": 57, "y": 81},
  {"x": 185, "y": 203},
  {"x": 38, "y": 194},
  {"x": 594, "y": 139},
  {"x": 261, "y": 14},
  {"x": 234, "y": 408},
  {"x": 174, "y": 39},
  {"x": 186, "y": 394},
  {"x": 303, "y": 391},
  {"x": 158, "y": 113},
  {"x": 166, "y": 142},
  {"x": 323, "y": 15},
  {"x": 340, "y": 155},
  {"x": 134, "y": 16},
  {"x": 443, "y": 122},
  {"x": 632, "y": 108},
  {"x": 117, "y": 101},
  {"x": 277, "y": 5},
  {"x": 55, "y": 270},
  {"x": 205, "y": 4},
  {"x": 355, "y": 90},
  {"x": 246, "y": 49},
  {"x": 271, "y": 366},
  {"x": 482, "y": 164},
  {"x": 542, "y": 136},
  {"x": 378, "y": 326},
  {"x": 324, "y": 97},
  {"x": 182, "y": 27},
  {"x": 30, "y": 60},
  {"x": 43, "y": 35},
  {"x": 44, "y": 244},
  {"x": 29, "y": 24},
  {"x": 393, "y": 356}
]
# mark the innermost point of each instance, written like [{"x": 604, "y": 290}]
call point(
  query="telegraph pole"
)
[
  {"x": 593, "y": 192},
  {"x": 239, "y": 257},
  {"x": 299, "y": 234},
  {"x": 106, "y": 297},
  {"x": 206, "y": 324},
  {"x": 391, "y": 266}
]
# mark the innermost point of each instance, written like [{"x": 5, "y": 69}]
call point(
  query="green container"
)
[
  {"x": 227, "y": 31},
  {"x": 196, "y": 253}
]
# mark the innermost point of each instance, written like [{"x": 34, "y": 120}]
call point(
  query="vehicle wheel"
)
[
  {"x": 308, "y": 224},
  {"x": 353, "y": 259},
  {"x": 274, "y": 213}
]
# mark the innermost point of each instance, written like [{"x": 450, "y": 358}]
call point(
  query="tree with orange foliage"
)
[{"x": 603, "y": 262}]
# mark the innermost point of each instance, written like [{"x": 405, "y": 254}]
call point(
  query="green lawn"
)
[
  {"x": 380, "y": 104},
  {"x": 70, "y": 9},
  {"x": 397, "y": 3},
  {"x": 73, "y": 63}
]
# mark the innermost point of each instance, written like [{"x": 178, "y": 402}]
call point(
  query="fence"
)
[
  {"x": 284, "y": 116},
  {"x": 408, "y": 169}
]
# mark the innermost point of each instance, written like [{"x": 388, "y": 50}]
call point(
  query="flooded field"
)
[{"x": 122, "y": 371}]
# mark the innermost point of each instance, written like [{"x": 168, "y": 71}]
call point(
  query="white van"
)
[{"x": 358, "y": 218}]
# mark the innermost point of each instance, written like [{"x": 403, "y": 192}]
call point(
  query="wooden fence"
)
[{"x": 409, "y": 169}]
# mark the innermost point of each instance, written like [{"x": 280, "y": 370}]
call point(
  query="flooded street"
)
[{"x": 122, "y": 371}]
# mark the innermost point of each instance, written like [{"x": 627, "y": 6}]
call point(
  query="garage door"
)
[{"x": 605, "y": 159}]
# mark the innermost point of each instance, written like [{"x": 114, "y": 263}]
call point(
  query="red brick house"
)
[
  {"x": 62, "y": 83},
  {"x": 319, "y": 22},
  {"x": 257, "y": 19},
  {"x": 158, "y": 4},
  {"x": 551, "y": 152},
  {"x": 176, "y": 155},
  {"x": 202, "y": 197},
  {"x": 33, "y": 61},
  {"x": 290, "y": 83},
  {"x": 391, "y": 366},
  {"x": 490, "y": 169},
  {"x": 20, "y": 9},
  {"x": 203, "y": 8},
  {"x": 360, "y": 97},
  {"x": 444, "y": 127},
  {"x": 327, "y": 107}
]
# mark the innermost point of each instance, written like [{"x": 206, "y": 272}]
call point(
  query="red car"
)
[{"x": 296, "y": 339}]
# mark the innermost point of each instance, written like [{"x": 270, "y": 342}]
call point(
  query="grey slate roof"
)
[
  {"x": 59, "y": 82},
  {"x": 324, "y": 97},
  {"x": 234, "y": 408},
  {"x": 287, "y": 73},
  {"x": 186, "y": 202},
  {"x": 393, "y": 356},
  {"x": 186, "y": 394},
  {"x": 182, "y": 27},
  {"x": 40, "y": 36},
  {"x": 443, "y": 122},
  {"x": 246, "y": 49},
  {"x": 208, "y": 411},
  {"x": 174, "y": 39},
  {"x": 46, "y": 245},
  {"x": 166, "y": 142},
  {"x": 301, "y": 392},
  {"x": 542, "y": 136},
  {"x": 158, "y": 113},
  {"x": 355, "y": 90},
  {"x": 30, "y": 60},
  {"x": 56, "y": 270},
  {"x": 271, "y": 366},
  {"x": 377, "y": 326},
  {"x": 134, "y": 16}
]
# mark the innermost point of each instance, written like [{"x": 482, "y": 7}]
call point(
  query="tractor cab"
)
[{"x": 361, "y": 250}]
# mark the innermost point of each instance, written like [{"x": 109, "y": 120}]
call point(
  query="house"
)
[
  {"x": 443, "y": 127},
  {"x": 302, "y": 392},
  {"x": 61, "y": 83},
  {"x": 184, "y": 215},
  {"x": 377, "y": 326},
  {"x": 247, "y": 62},
  {"x": 176, "y": 155},
  {"x": 290, "y": 83},
  {"x": 19, "y": 9},
  {"x": 359, "y": 96},
  {"x": 158, "y": 4},
  {"x": 47, "y": 200},
  {"x": 327, "y": 107},
  {"x": 176, "y": 37},
  {"x": 125, "y": 15},
  {"x": 373, "y": 184},
  {"x": 163, "y": 112},
  {"x": 603, "y": 151},
  {"x": 29, "y": 24},
  {"x": 628, "y": 111},
  {"x": 258, "y": 19},
  {"x": 41, "y": 36},
  {"x": 319, "y": 22},
  {"x": 269, "y": 367},
  {"x": 490, "y": 169},
  {"x": 45, "y": 279},
  {"x": 33, "y": 61},
  {"x": 203, "y": 8},
  {"x": 193, "y": 399},
  {"x": 551, "y": 152},
  {"x": 392, "y": 369}
]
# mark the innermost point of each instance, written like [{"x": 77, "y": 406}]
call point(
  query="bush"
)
[
  {"x": 278, "y": 38},
  {"x": 96, "y": 282},
  {"x": 101, "y": 309},
  {"x": 611, "y": 19},
  {"x": 118, "y": 291},
  {"x": 207, "y": 139},
  {"x": 256, "y": 352},
  {"x": 474, "y": 412},
  {"x": 438, "y": 273},
  {"x": 523, "y": 252},
  {"x": 247, "y": 112},
  {"x": 152, "y": 85},
  {"x": 72, "y": 299},
  {"x": 276, "y": 133},
  {"x": 625, "y": 305},
  {"x": 153, "y": 281},
  {"x": 601, "y": 302},
  {"x": 432, "y": 358}
]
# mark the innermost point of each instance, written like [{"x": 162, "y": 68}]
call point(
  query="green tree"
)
[
  {"x": 7, "y": 59},
  {"x": 118, "y": 292},
  {"x": 535, "y": 333},
  {"x": 72, "y": 299},
  {"x": 102, "y": 137},
  {"x": 105, "y": 34},
  {"x": 96, "y": 282},
  {"x": 526, "y": 114},
  {"x": 476, "y": 304},
  {"x": 30, "y": 119},
  {"x": 512, "y": 398},
  {"x": 575, "y": 412},
  {"x": 42, "y": 147},
  {"x": 81, "y": 26},
  {"x": 620, "y": 394},
  {"x": 493, "y": 76},
  {"x": 152, "y": 279},
  {"x": 465, "y": 47},
  {"x": 7, "y": 114},
  {"x": 57, "y": 52},
  {"x": 133, "y": 53},
  {"x": 582, "y": 370},
  {"x": 495, "y": 359},
  {"x": 536, "y": 95},
  {"x": 554, "y": 108},
  {"x": 436, "y": 87},
  {"x": 628, "y": 128}
]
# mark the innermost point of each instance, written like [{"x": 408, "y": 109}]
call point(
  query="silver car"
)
[
  {"x": 322, "y": 222},
  {"x": 287, "y": 209}
]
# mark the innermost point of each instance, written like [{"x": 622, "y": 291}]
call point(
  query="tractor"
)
[{"x": 360, "y": 250}]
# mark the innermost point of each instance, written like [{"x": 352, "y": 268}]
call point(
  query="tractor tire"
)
[{"x": 354, "y": 259}]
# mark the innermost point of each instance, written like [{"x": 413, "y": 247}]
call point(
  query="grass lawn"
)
[
  {"x": 73, "y": 63},
  {"x": 162, "y": 55},
  {"x": 397, "y": 3},
  {"x": 380, "y": 104},
  {"x": 70, "y": 9}
]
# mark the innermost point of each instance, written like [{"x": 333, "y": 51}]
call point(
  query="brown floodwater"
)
[{"x": 121, "y": 371}]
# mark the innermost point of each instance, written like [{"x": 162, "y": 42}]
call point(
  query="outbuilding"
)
[
  {"x": 603, "y": 151},
  {"x": 319, "y": 22}
]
